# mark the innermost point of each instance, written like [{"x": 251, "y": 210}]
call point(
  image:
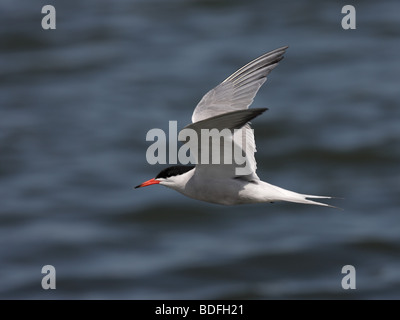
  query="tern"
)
[{"x": 227, "y": 107}]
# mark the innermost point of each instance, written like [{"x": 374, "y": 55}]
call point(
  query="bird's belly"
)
[{"x": 225, "y": 192}]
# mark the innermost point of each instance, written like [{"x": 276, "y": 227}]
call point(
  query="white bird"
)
[{"x": 226, "y": 106}]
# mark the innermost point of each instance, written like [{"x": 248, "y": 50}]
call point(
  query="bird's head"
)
[{"x": 172, "y": 177}]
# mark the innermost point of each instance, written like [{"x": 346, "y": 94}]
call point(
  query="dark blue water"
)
[{"x": 76, "y": 104}]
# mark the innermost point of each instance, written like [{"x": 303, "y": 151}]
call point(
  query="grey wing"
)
[
  {"x": 236, "y": 93},
  {"x": 240, "y": 136},
  {"x": 238, "y": 90}
]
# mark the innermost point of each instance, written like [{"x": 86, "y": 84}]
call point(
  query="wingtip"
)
[
  {"x": 283, "y": 48},
  {"x": 259, "y": 110}
]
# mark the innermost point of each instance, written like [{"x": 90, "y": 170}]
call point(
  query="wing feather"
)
[
  {"x": 225, "y": 107},
  {"x": 238, "y": 90}
]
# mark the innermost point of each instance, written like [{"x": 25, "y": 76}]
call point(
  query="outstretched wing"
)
[
  {"x": 236, "y": 93},
  {"x": 230, "y": 157},
  {"x": 238, "y": 90}
]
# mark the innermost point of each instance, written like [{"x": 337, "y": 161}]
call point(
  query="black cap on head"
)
[{"x": 174, "y": 171}]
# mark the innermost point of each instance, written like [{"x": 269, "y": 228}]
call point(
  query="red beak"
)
[{"x": 148, "y": 183}]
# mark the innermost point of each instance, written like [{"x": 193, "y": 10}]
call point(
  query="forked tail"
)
[
  {"x": 303, "y": 199},
  {"x": 290, "y": 196}
]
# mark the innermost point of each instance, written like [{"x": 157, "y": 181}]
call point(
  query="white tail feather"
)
[
  {"x": 290, "y": 196},
  {"x": 303, "y": 199}
]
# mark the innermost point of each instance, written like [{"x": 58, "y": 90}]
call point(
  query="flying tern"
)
[{"x": 227, "y": 107}]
